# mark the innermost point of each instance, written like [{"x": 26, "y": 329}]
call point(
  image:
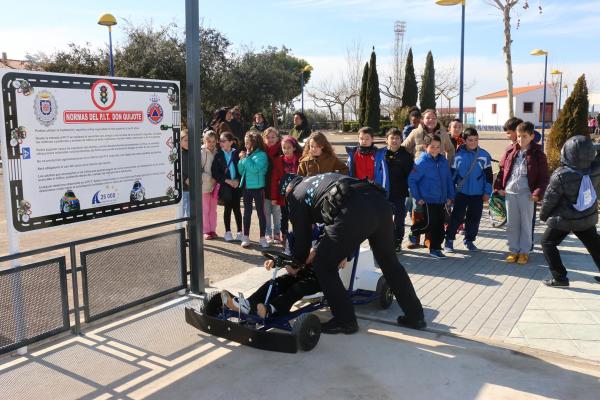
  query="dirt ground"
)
[{"x": 222, "y": 259}]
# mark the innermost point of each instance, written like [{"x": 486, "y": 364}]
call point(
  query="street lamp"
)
[
  {"x": 462, "y": 51},
  {"x": 538, "y": 52},
  {"x": 307, "y": 68},
  {"x": 566, "y": 87},
  {"x": 557, "y": 72},
  {"x": 109, "y": 20}
]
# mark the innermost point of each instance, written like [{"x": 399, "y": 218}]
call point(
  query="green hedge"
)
[{"x": 384, "y": 125}]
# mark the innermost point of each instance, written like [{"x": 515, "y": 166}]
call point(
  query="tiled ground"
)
[{"x": 479, "y": 295}]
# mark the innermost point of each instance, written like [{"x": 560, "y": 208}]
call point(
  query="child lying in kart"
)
[{"x": 287, "y": 290}]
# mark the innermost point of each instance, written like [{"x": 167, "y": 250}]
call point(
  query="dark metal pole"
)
[
  {"x": 77, "y": 328},
  {"x": 462, "y": 65},
  {"x": 112, "y": 65},
  {"x": 544, "y": 101},
  {"x": 192, "y": 49}
]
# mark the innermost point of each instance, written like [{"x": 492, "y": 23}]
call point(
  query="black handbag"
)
[
  {"x": 225, "y": 191},
  {"x": 225, "y": 194}
]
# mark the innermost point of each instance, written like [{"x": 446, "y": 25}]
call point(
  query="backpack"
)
[{"x": 586, "y": 198}]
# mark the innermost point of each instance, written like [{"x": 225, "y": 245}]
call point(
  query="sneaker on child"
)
[
  {"x": 239, "y": 237},
  {"x": 437, "y": 254},
  {"x": 245, "y": 241},
  {"x": 264, "y": 243},
  {"x": 228, "y": 237},
  {"x": 449, "y": 246},
  {"x": 470, "y": 246}
]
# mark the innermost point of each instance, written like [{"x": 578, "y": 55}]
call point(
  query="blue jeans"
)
[
  {"x": 185, "y": 203},
  {"x": 273, "y": 214},
  {"x": 399, "y": 206}
]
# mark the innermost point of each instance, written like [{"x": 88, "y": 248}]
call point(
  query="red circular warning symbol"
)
[{"x": 104, "y": 94}]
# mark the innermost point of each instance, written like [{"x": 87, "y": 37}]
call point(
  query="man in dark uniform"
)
[{"x": 353, "y": 211}]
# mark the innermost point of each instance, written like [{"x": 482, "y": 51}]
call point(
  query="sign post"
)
[{"x": 192, "y": 48}]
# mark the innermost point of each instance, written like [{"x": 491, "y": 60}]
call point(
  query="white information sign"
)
[{"x": 77, "y": 147}]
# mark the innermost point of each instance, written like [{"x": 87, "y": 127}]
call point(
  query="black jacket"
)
[
  {"x": 238, "y": 131},
  {"x": 304, "y": 204},
  {"x": 557, "y": 209},
  {"x": 219, "y": 168}
]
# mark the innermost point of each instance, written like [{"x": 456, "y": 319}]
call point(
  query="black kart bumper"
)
[{"x": 264, "y": 340}]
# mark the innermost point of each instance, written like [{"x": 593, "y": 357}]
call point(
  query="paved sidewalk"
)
[
  {"x": 154, "y": 354},
  {"x": 478, "y": 295}
]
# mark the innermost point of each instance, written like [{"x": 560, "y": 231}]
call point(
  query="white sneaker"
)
[
  {"x": 237, "y": 304},
  {"x": 264, "y": 243},
  {"x": 239, "y": 236},
  {"x": 245, "y": 241},
  {"x": 269, "y": 239},
  {"x": 228, "y": 237}
]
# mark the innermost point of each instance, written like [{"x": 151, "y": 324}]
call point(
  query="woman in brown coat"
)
[
  {"x": 319, "y": 158},
  {"x": 420, "y": 137}
]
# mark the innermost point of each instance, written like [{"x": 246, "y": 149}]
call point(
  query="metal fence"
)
[
  {"x": 33, "y": 303},
  {"x": 35, "y": 298}
]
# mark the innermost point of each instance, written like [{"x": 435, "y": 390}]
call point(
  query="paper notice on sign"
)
[{"x": 80, "y": 147}]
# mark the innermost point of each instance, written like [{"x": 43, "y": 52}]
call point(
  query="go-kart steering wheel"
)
[{"x": 280, "y": 258}]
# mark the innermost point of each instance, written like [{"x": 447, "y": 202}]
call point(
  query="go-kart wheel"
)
[
  {"x": 307, "y": 329},
  {"x": 386, "y": 296},
  {"x": 212, "y": 304}
]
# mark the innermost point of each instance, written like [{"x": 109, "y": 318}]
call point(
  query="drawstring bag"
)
[{"x": 586, "y": 198}]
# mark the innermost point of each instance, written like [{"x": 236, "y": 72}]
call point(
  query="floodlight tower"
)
[{"x": 399, "y": 30}]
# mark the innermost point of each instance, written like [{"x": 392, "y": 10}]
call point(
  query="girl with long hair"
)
[
  {"x": 253, "y": 166},
  {"x": 319, "y": 157}
]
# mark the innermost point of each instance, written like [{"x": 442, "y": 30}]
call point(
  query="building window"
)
[
  {"x": 494, "y": 108},
  {"x": 528, "y": 107}
]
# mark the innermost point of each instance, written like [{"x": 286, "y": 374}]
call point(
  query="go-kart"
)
[{"x": 299, "y": 329}]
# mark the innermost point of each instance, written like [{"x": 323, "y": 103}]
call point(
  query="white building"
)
[
  {"x": 491, "y": 110},
  {"x": 594, "y": 99}
]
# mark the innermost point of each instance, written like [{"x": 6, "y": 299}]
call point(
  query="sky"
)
[{"x": 320, "y": 31}]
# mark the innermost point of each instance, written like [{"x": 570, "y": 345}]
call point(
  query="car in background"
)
[
  {"x": 69, "y": 203},
  {"x": 138, "y": 193}
]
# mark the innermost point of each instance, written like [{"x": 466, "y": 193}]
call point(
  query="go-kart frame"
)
[{"x": 12, "y": 166}]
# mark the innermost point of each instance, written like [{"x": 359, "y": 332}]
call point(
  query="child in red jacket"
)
[
  {"x": 522, "y": 178},
  {"x": 272, "y": 141},
  {"x": 287, "y": 163}
]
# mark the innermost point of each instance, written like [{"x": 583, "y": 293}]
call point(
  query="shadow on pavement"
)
[{"x": 156, "y": 355}]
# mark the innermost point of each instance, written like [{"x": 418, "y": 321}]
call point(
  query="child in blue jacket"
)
[
  {"x": 431, "y": 185},
  {"x": 473, "y": 176}
]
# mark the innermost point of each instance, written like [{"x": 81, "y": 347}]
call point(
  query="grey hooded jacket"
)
[{"x": 557, "y": 209}]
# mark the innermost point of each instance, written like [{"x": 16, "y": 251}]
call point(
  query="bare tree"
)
[
  {"x": 334, "y": 95},
  {"x": 322, "y": 100},
  {"x": 353, "y": 76},
  {"x": 506, "y": 6}
]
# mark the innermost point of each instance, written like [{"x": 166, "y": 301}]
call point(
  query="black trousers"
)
[
  {"x": 399, "y": 207},
  {"x": 365, "y": 215},
  {"x": 233, "y": 205},
  {"x": 432, "y": 223},
  {"x": 469, "y": 209},
  {"x": 287, "y": 290},
  {"x": 256, "y": 196},
  {"x": 553, "y": 237},
  {"x": 285, "y": 219}
]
